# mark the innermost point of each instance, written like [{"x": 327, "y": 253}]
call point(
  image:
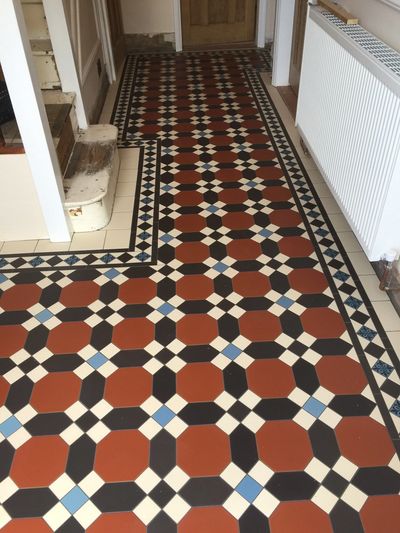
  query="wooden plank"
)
[{"x": 339, "y": 12}]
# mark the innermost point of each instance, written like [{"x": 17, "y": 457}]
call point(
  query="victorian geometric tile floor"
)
[{"x": 237, "y": 380}]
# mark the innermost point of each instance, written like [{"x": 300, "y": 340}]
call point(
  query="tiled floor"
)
[
  {"x": 241, "y": 383},
  {"x": 118, "y": 232}
]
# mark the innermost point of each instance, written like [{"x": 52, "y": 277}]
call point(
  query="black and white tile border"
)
[{"x": 371, "y": 342}]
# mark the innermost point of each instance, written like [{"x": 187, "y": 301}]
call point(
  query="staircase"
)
[{"x": 88, "y": 159}]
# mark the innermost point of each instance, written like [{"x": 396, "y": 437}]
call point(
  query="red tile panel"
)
[
  {"x": 133, "y": 333},
  {"x": 199, "y": 382},
  {"x": 56, "y": 392},
  {"x": 69, "y": 337},
  {"x": 12, "y": 339},
  {"x": 381, "y": 514},
  {"x": 260, "y": 326},
  {"x": 20, "y": 297},
  {"x": 128, "y": 387},
  {"x": 341, "y": 375},
  {"x": 79, "y": 294},
  {"x": 197, "y": 329},
  {"x": 300, "y": 517},
  {"x": 210, "y": 520},
  {"x": 323, "y": 323},
  {"x": 137, "y": 291},
  {"x": 270, "y": 378}
]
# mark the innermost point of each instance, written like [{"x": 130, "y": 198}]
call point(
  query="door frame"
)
[
  {"x": 104, "y": 32},
  {"x": 260, "y": 25}
]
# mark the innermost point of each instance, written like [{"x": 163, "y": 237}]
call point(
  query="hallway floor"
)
[{"x": 226, "y": 374}]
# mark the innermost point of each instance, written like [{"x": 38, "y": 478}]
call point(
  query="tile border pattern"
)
[{"x": 374, "y": 349}]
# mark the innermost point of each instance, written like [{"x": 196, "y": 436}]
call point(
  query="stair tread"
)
[
  {"x": 57, "y": 115},
  {"x": 42, "y": 47},
  {"x": 91, "y": 165}
]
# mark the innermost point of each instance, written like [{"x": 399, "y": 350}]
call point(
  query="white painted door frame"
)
[
  {"x": 284, "y": 19},
  {"x": 261, "y": 23},
  {"x": 19, "y": 70}
]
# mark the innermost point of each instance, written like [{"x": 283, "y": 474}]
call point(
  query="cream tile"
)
[
  {"x": 92, "y": 240},
  {"x": 1, "y": 245},
  {"x": 129, "y": 158},
  {"x": 315, "y": 176},
  {"x": 125, "y": 189},
  {"x": 349, "y": 241},
  {"x": 19, "y": 247},
  {"x": 44, "y": 246},
  {"x": 331, "y": 206},
  {"x": 323, "y": 190},
  {"x": 127, "y": 176},
  {"x": 123, "y": 204},
  {"x": 117, "y": 239},
  {"x": 387, "y": 315},
  {"x": 371, "y": 286},
  {"x": 361, "y": 264},
  {"x": 120, "y": 221},
  {"x": 394, "y": 337},
  {"x": 339, "y": 222}
]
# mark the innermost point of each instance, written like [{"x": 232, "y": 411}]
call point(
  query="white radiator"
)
[{"x": 349, "y": 117}]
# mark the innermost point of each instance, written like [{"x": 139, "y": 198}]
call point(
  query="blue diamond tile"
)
[
  {"x": 107, "y": 258},
  {"x": 322, "y": 232},
  {"x": 9, "y": 426},
  {"x": 74, "y": 500},
  {"x": 249, "y": 489},
  {"x": 36, "y": 261},
  {"x": 331, "y": 253},
  {"x": 383, "y": 368},
  {"x": 72, "y": 260},
  {"x": 212, "y": 209},
  {"x": 395, "y": 409},
  {"x": 3, "y": 278},
  {"x": 144, "y": 235},
  {"x": 232, "y": 351},
  {"x": 285, "y": 302},
  {"x": 265, "y": 233},
  {"x": 143, "y": 257},
  {"x": 166, "y": 188},
  {"x": 111, "y": 274},
  {"x": 251, "y": 184},
  {"x": 341, "y": 276},
  {"x": 164, "y": 415},
  {"x": 353, "y": 302},
  {"x": 3, "y": 262},
  {"x": 314, "y": 407},
  {"x": 367, "y": 333},
  {"x": 166, "y": 308},
  {"x": 97, "y": 360},
  {"x": 220, "y": 267},
  {"x": 167, "y": 238},
  {"x": 44, "y": 316}
]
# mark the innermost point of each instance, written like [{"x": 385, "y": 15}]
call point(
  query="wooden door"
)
[
  {"x": 116, "y": 31},
  {"x": 299, "y": 28},
  {"x": 218, "y": 22}
]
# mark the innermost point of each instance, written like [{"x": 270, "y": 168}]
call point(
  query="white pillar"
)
[
  {"x": 19, "y": 71},
  {"x": 261, "y": 23},
  {"x": 283, "y": 42},
  {"x": 178, "y": 26},
  {"x": 64, "y": 55}
]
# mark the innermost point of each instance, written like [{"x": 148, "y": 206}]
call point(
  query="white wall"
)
[
  {"x": 87, "y": 50},
  {"x": 148, "y": 16},
  {"x": 378, "y": 18}
]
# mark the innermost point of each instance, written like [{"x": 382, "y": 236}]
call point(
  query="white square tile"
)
[
  {"x": 125, "y": 189},
  {"x": 120, "y": 221},
  {"x": 46, "y": 246},
  {"x": 387, "y": 315},
  {"x": 92, "y": 240},
  {"x": 127, "y": 176},
  {"x": 123, "y": 204},
  {"x": 19, "y": 247},
  {"x": 117, "y": 239},
  {"x": 371, "y": 286},
  {"x": 361, "y": 264},
  {"x": 349, "y": 241}
]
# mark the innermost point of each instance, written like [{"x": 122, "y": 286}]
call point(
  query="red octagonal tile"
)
[
  {"x": 192, "y": 252},
  {"x": 4, "y": 388},
  {"x": 122, "y": 456},
  {"x": 364, "y": 441},
  {"x": 118, "y": 523},
  {"x": 20, "y": 297},
  {"x": 381, "y": 514},
  {"x": 194, "y": 287},
  {"x": 197, "y": 329},
  {"x": 270, "y": 378},
  {"x": 190, "y": 223},
  {"x": 12, "y": 339},
  {"x": 56, "y": 392},
  {"x": 284, "y": 446},
  {"x": 323, "y": 323},
  {"x": 31, "y": 466},
  {"x": 260, "y": 326},
  {"x": 285, "y": 218},
  {"x": 250, "y": 284},
  {"x": 199, "y": 382},
  {"x": 307, "y": 280},
  {"x": 300, "y": 517},
  {"x": 27, "y": 525},
  {"x": 295, "y": 246},
  {"x": 80, "y": 294},
  {"x": 128, "y": 387},
  {"x": 341, "y": 375},
  {"x": 238, "y": 220},
  {"x": 137, "y": 291},
  {"x": 203, "y": 451},
  {"x": 210, "y": 520},
  {"x": 69, "y": 337},
  {"x": 133, "y": 333},
  {"x": 244, "y": 249}
]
